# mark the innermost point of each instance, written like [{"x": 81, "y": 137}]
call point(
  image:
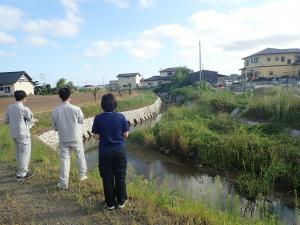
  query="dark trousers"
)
[{"x": 112, "y": 167}]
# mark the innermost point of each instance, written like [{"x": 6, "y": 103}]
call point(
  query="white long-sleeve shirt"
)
[
  {"x": 67, "y": 119},
  {"x": 20, "y": 120}
]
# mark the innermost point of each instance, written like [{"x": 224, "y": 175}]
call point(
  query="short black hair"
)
[
  {"x": 109, "y": 103},
  {"x": 64, "y": 93},
  {"x": 20, "y": 95}
]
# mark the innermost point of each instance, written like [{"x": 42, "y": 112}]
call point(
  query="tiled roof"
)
[{"x": 12, "y": 77}]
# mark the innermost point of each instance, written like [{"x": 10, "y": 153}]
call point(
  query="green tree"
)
[
  {"x": 62, "y": 82},
  {"x": 180, "y": 78}
]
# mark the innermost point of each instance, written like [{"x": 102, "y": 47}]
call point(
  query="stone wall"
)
[{"x": 134, "y": 117}]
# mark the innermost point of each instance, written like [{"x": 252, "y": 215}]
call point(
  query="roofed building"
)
[
  {"x": 12, "y": 81},
  {"x": 156, "y": 81},
  {"x": 168, "y": 72},
  {"x": 272, "y": 62},
  {"x": 207, "y": 75},
  {"x": 125, "y": 80}
]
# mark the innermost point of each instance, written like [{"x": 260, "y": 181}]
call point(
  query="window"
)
[
  {"x": 169, "y": 73},
  {"x": 150, "y": 83},
  {"x": 6, "y": 89},
  {"x": 289, "y": 61},
  {"x": 268, "y": 59},
  {"x": 1, "y": 88},
  {"x": 124, "y": 86},
  {"x": 282, "y": 58},
  {"x": 271, "y": 73},
  {"x": 254, "y": 60},
  {"x": 298, "y": 72},
  {"x": 276, "y": 58}
]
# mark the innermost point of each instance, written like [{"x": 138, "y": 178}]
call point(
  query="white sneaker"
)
[
  {"x": 110, "y": 208},
  {"x": 121, "y": 206},
  {"x": 83, "y": 178},
  {"x": 62, "y": 186}
]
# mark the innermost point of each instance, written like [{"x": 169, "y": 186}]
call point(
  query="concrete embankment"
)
[{"x": 134, "y": 117}]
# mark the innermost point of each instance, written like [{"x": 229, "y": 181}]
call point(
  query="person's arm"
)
[
  {"x": 80, "y": 116},
  {"x": 6, "y": 119},
  {"x": 95, "y": 130},
  {"x": 54, "y": 125},
  {"x": 125, "y": 127},
  {"x": 28, "y": 115}
]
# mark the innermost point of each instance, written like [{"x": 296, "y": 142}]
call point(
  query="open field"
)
[{"x": 48, "y": 102}]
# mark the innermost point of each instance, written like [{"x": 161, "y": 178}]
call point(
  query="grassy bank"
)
[
  {"x": 204, "y": 130},
  {"x": 147, "y": 204},
  {"x": 136, "y": 100}
]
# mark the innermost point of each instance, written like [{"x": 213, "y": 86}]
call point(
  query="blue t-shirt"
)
[{"x": 110, "y": 126}]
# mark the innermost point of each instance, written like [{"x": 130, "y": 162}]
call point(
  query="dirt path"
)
[{"x": 31, "y": 203}]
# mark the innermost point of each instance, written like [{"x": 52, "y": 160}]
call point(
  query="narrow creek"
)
[{"x": 210, "y": 187}]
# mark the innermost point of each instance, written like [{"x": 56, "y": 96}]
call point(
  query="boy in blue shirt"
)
[{"x": 111, "y": 129}]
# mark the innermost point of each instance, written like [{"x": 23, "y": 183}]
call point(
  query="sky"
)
[{"x": 92, "y": 41}]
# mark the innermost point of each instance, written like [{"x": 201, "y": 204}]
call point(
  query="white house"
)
[
  {"x": 129, "y": 79},
  {"x": 168, "y": 72},
  {"x": 114, "y": 85},
  {"x": 156, "y": 81},
  {"x": 12, "y": 81}
]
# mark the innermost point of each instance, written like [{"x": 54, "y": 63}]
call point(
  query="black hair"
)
[
  {"x": 64, "y": 93},
  {"x": 109, "y": 103},
  {"x": 20, "y": 95}
]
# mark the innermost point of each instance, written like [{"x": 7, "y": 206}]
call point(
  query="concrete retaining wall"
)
[{"x": 134, "y": 117}]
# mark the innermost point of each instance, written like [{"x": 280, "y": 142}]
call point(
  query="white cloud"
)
[
  {"x": 14, "y": 19},
  {"x": 119, "y": 3},
  {"x": 10, "y": 18},
  {"x": 66, "y": 27},
  {"x": 147, "y": 3},
  {"x": 87, "y": 66},
  {"x": 6, "y": 54},
  {"x": 6, "y": 38},
  {"x": 226, "y": 36},
  {"x": 36, "y": 40},
  {"x": 98, "y": 49}
]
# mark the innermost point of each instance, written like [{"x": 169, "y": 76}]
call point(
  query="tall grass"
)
[{"x": 204, "y": 129}]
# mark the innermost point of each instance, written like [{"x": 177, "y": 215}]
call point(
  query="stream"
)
[{"x": 213, "y": 188}]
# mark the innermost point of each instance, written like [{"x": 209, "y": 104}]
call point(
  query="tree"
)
[
  {"x": 61, "y": 83},
  {"x": 129, "y": 88},
  {"x": 180, "y": 78},
  {"x": 71, "y": 85},
  {"x": 94, "y": 91}
]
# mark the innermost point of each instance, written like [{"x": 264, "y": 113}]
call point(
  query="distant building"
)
[
  {"x": 168, "y": 72},
  {"x": 114, "y": 85},
  {"x": 12, "y": 81},
  {"x": 272, "y": 62},
  {"x": 207, "y": 76},
  {"x": 130, "y": 79},
  {"x": 156, "y": 81}
]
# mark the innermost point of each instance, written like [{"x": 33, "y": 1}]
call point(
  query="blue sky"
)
[{"x": 87, "y": 41}]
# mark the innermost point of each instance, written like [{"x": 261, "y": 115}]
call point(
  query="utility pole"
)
[{"x": 200, "y": 61}]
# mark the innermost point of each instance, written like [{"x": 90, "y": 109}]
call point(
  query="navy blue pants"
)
[{"x": 112, "y": 167}]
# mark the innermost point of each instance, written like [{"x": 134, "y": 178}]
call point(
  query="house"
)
[
  {"x": 168, "y": 72},
  {"x": 12, "y": 81},
  {"x": 114, "y": 85},
  {"x": 126, "y": 80},
  {"x": 207, "y": 75},
  {"x": 156, "y": 81},
  {"x": 272, "y": 63}
]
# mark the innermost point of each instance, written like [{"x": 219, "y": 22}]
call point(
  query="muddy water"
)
[{"x": 210, "y": 187}]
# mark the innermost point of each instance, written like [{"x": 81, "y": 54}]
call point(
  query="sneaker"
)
[
  {"x": 83, "y": 178},
  {"x": 110, "y": 207},
  {"x": 62, "y": 186},
  {"x": 27, "y": 175},
  {"x": 121, "y": 206}
]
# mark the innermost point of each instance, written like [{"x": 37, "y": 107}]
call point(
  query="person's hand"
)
[
  {"x": 35, "y": 120},
  {"x": 97, "y": 136}
]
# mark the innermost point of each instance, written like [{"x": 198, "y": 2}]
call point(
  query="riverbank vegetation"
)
[
  {"x": 200, "y": 126},
  {"x": 147, "y": 204}
]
